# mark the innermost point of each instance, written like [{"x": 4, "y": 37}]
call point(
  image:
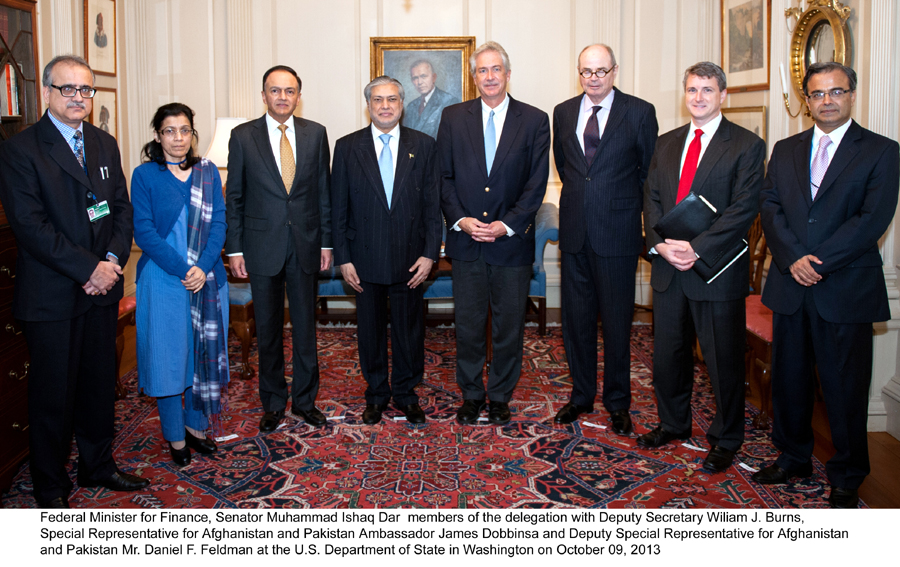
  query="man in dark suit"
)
[
  {"x": 424, "y": 112},
  {"x": 494, "y": 165},
  {"x": 387, "y": 235},
  {"x": 65, "y": 196},
  {"x": 724, "y": 164},
  {"x": 603, "y": 141},
  {"x": 828, "y": 197},
  {"x": 279, "y": 232}
]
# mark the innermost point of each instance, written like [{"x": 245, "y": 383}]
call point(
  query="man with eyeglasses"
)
[
  {"x": 386, "y": 220},
  {"x": 64, "y": 192},
  {"x": 829, "y": 195},
  {"x": 603, "y": 141},
  {"x": 278, "y": 206}
]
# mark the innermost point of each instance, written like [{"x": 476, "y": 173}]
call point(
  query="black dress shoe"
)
[
  {"x": 413, "y": 413},
  {"x": 843, "y": 497},
  {"x": 621, "y": 422},
  {"x": 570, "y": 412},
  {"x": 372, "y": 413},
  {"x": 204, "y": 446},
  {"x": 659, "y": 437},
  {"x": 499, "y": 413},
  {"x": 469, "y": 411},
  {"x": 119, "y": 481},
  {"x": 58, "y": 502},
  {"x": 773, "y": 474},
  {"x": 718, "y": 459},
  {"x": 181, "y": 457},
  {"x": 270, "y": 421},
  {"x": 311, "y": 416}
]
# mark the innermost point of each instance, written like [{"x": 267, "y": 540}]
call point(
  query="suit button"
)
[
  {"x": 587, "y": 178},
  {"x": 484, "y": 214},
  {"x": 812, "y": 221},
  {"x": 487, "y": 189}
]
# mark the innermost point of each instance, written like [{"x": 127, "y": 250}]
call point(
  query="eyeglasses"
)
[
  {"x": 835, "y": 94},
  {"x": 587, "y": 73},
  {"x": 170, "y": 132},
  {"x": 69, "y": 91}
]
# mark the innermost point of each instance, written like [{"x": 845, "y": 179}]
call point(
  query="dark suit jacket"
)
[
  {"x": 729, "y": 176},
  {"x": 44, "y": 191},
  {"x": 384, "y": 243},
  {"x": 513, "y": 192},
  {"x": 852, "y": 210},
  {"x": 431, "y": 117},
  {"x": 603, "y": 199},
  {"x": 262, "y": 217}
]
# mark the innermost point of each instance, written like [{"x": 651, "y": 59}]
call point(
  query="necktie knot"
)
[
  {"x": 385, "y": 138},
  {"x": 283, "y": 128},
  {"x": 596, "y": 110},
  {"x": 824, "y": 142}
]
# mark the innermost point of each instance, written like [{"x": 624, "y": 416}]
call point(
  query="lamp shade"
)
[{"x": 218, "y": 149}]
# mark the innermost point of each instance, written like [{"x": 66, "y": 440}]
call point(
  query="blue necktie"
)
[
  {"x": 79, "y": 151},
  {"x": 386, "y": 165},
  {"x": 490, "y": 143}
]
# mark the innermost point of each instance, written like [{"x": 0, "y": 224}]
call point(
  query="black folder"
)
[{"x": 692, "y": 216}]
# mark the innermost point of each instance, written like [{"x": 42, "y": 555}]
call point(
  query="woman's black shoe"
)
[
  {"x": 205, "y": 446},
  {"x": 181, "y": 457}
]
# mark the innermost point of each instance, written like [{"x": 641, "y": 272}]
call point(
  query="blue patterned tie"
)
[
  {"x": 386, "y": 165},
  {"x": 79, "y": 151},
  {"x": 490, "y": 143}
]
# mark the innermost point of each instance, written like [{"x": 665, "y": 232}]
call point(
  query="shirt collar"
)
[
  {"x": 64, "y": 129},
  {"x": 835, "y": 135},
  {"x": 272, "y": 124},
  {"x": 710, "y": 127},
  {"x": 376, "y": 134},
  {"x": 588, "y": 106},
  {"x": 485, "y": 109}
]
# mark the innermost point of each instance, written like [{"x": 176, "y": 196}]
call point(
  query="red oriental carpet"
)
[{"x": 529, "y": 463}]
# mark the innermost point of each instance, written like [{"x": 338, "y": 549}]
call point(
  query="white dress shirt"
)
[
  {"x": 394, "y": 143},
  {"x": 835, "y": 136},
  {"x": 275, "y": 138},
  {"x": 709, "y": 130}
]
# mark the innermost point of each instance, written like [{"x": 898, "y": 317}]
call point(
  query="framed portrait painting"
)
[
  {"x": 746, "y": 27},
  {"x": 104, "y": 114},
  {"x": 752, "y": 118},
  {"x": 434, "y": 72},
  {"x": 100, "y": 35}
]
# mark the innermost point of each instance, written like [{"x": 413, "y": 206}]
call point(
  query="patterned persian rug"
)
[{"x": 529, "y": 463}]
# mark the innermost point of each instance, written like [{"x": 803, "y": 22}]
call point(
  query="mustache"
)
[{"x": 75, "y": 104}]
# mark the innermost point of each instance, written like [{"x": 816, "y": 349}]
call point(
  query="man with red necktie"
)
[{"x": 724, "y": 164}]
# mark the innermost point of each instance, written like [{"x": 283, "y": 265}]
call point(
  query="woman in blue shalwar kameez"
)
[{"x": 182, "y": 290}]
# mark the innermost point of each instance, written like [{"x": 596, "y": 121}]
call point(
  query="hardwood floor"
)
[{"x": 880, "y": 490}]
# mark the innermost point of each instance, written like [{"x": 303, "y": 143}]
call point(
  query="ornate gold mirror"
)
[{"x": 821, "y": 34}]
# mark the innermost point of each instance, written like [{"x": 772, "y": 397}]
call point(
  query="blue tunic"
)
[{"x": 163, "y": 315}]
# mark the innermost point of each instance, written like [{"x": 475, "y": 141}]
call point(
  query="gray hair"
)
[
  {"x": 489, "y": 46},
  {"x": 612, "y": 56},
  {"x": 46, "y": 80},
  {"x": 379, "y": 81},
  {"x": 418, "y": 62},
  {"x": 828, "y": 67},
  {"x": 707, "y": 70}
]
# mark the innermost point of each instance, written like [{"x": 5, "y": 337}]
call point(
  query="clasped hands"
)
[
  {"x": 679, "y": 253},
  {"x": 803, "y": 272},
  {"x": 105, "y": 276},
  {"x": 420, "y": 270},
  {"x": 481, "y": 232}
]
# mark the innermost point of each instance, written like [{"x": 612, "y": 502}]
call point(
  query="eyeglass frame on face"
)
[
  {"x": 76, "y": 89},
  {"x": 597, "y": 72},
  {"x": 836, "y": 94},
  {"x": 170, "y": 132}
]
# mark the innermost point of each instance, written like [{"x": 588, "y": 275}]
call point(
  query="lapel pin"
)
[{"x": 411, "y": 156}]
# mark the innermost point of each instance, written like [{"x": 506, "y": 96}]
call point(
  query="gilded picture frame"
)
[
  {"x": 746, "y": 29},
  {"x": 752, "y": 118},
  {"x": 100, "y": 36}
]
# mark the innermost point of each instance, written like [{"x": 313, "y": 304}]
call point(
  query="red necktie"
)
[{"x": 690, "y": 167}]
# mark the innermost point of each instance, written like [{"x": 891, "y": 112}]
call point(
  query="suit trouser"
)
[
  {"x": 843, "y": 354},
  {"x": 593, "y": 284},
  {"x": 268, "y": 303},
  {"x": 477, "y": 288},
  {"x": 71, "y": 387},
  {"x": 721, "y": 328},
  {"x": 407, "y": 341}
]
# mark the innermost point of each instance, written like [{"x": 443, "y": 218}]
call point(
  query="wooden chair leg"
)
[
  {"x": 120, "y": 348},
  {"x": 542, "y": 316},
  {"x": 244, "y": 331},
  {"x": 761, "y": 421}
]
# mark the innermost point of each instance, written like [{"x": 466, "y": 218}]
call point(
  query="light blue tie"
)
[
  {"x": 386, "y": 165},
  {"x": 490, "y": 143}
]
